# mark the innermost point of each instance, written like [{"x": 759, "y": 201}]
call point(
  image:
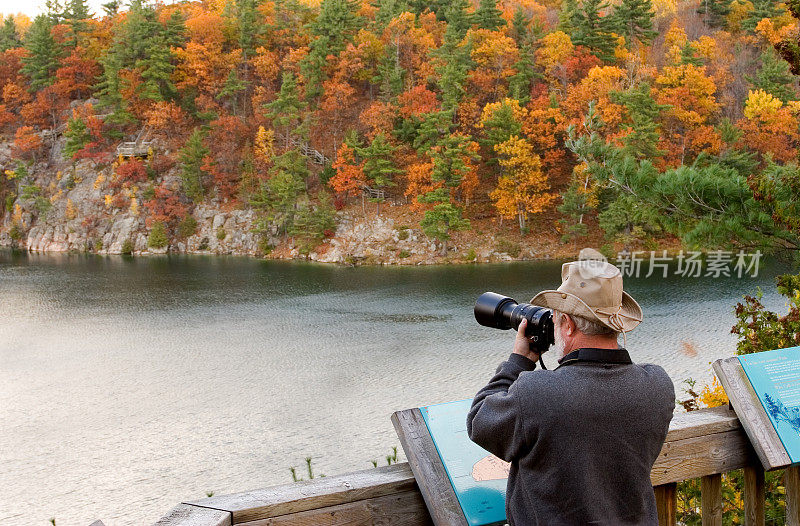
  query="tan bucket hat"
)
[{"x": 592, "y": 289}]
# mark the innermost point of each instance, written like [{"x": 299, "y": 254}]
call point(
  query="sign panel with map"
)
[
  {"x": 775, "y": 378},
  {"x": 478, "y": 478}
]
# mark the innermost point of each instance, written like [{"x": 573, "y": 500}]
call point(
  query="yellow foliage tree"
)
[
  {"x": 760, "y": 105},
  {"x": 522, "y": 189},
  {"x": 71, "y": 211},
  {"x": 264, "y": 144},
  {"x": 554, "y": 50}
]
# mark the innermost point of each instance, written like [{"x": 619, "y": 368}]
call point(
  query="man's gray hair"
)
[{"x": 588, "y": 327}]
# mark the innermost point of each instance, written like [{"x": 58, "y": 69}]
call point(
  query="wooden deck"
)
[{"x": 700, "y": 444}]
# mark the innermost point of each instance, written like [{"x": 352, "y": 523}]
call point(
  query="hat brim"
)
[{"x": 630, "y": 314}]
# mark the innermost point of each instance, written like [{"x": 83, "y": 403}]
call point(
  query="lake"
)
[{"x": 130, "y": 384}]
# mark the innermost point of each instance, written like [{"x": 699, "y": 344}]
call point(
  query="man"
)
[{"x": 581, "y": 438}]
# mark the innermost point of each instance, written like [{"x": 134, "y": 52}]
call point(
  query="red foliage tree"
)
[
  {"x": 166, "y": 207},
  {"x": 27, "y": 142},
  {"x": 226, "y": 142},
  {"x": 131, "y": 171}
]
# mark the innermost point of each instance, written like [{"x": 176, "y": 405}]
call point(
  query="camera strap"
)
[{"x": 595, "y": 355}]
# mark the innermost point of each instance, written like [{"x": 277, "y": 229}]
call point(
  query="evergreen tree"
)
[
  {"x": 387, "y": 10},
  {"x": 458, "y": 19},
  {"x": 443, "y": 219},
  {"x": 594, "y": 31},
  {"x": 138, "y": 43},
  {"x": 76, "y": 14},
  {"x": 379, "y": 166},
  {"x": 519, "y": 28},
  {"x": 487, "y": 16},
  {"x": 9, "y": 38},
  {"x": 689, "y": 55},
  {"x": 633, "y": 19},
  {"x": 450, "y": 156},
  {"x": 191, "y": 158},
  {"x": 390, "y": 77},
  {"x": 333, "y": 29},
  {"x": 111, "y": 8},
  {"x": 174, "y": 32},
  {"x": 774, "y": 77},
  {"x": 644, "y": 113},
  {"x": 500, "y": 127},
  {"x": 454, "y": 58},
  {"x": 233, "y": 86},
  {"x": 43, "y": 53},
  {"x": 286, "y": 111},
  {"x": 156, "y": 70},
  {"x": 54, "y": 10},
  {"x": 714, "y": 11},
  {"x": 568, "y": 16},
  {"x": 761, "y": 9},
  {"x": 77, "y": 134}
]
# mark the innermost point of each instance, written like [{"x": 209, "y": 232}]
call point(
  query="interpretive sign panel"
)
[
  {"x": 764, "y": 390},
  {"x": 440, "y": 452},
  {"x": 775, "y": 377}
]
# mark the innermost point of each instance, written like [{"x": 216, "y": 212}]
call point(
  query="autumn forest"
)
[{"x": 632, "y": 120}]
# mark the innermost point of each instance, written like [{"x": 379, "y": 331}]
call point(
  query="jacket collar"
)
[{"x": 593, "y": 354}]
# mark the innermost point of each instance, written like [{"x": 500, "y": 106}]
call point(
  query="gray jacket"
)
[{"x": 581, "y": 439}]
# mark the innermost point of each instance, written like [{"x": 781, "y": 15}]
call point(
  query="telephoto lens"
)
[{"x": 501, "y": 312}]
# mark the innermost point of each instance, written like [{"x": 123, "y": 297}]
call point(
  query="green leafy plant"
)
[
  {"x": 127, "y": 247},
  {"x": 187, "y": 227},
  {"x": 221, "y": 234},
  {"x": 509, "y": 247},
  {"x": 158, "y": 236}
]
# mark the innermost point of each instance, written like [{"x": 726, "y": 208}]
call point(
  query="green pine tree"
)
[
  {"x": 644, "y": 114},
  {"x": 332, "y": 30},
  {"x": 487, "y": 16},
  {"x": 568, "y": 16},
  {"x": 191, "y": 158},
  {"x": 379, "y": 165},
  {"x": 76, "y": 16},
  {"x": 9, "y": 37},
  {"x": 714, "y": 12},
  {"x": 43, "y": 54},
  {"x": 633, "y": 19},
  {"x": 500, "y": 127},
  {"x": 594, "y": 31},
  {"x": 78, "y": 136},
  {"x": 231, "y": 90},
  {"x": 454, "y": 60},
  {"x": 458, "y": 19},
  {"x": 156, "y": 70},
  {"x": 450, "y": 159},
  {"x": 774, "y": 77},
  {"x": 761, "y": 9},
  {"x": 443, "y": 219},
  {"x": 285, "y": 112}
]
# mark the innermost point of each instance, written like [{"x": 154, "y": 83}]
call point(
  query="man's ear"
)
[{"x": 568, "y": 323}]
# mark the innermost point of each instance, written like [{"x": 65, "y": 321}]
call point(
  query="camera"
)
[{"x": 501, "y": 312}]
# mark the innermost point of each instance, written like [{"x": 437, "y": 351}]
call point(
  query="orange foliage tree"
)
[{"x": 522, "y": 189}]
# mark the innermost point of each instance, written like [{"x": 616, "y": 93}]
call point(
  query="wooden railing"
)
[{"x": 700, "y": 444}]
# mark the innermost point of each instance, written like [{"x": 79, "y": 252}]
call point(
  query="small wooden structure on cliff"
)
[
  {"x": 700, "y": 444},
  {"x": 138, "y": 148}
]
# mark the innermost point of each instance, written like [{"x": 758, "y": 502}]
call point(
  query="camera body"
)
[{"x": 501, "y": 312}]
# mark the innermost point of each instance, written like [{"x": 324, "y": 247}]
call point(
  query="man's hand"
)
[{"x": 522, "y": 344}]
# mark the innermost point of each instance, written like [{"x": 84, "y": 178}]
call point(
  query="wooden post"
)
[
  {"x": 791, "y": 480},
  {"x": 754, "y": 495},
  {"x": 711, "y": 499},
  {"x": 667, "y": 503}
]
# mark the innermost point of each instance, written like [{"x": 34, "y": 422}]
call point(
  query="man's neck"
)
[{"x": 595, "y": 342}]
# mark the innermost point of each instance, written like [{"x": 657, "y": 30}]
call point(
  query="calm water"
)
[{"x": 128, "y": 385}]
